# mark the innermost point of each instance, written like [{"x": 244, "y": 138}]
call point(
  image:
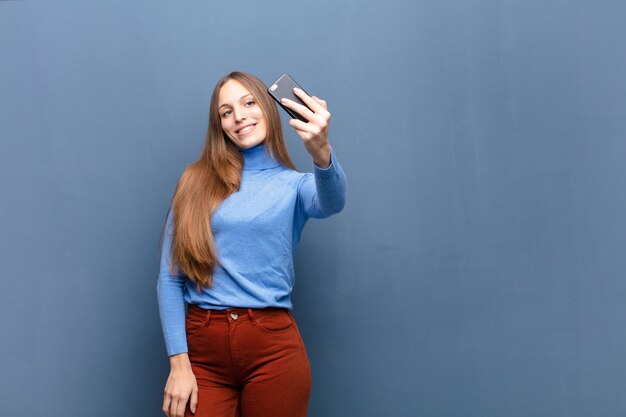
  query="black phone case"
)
[{"x": 283, "y": 88}]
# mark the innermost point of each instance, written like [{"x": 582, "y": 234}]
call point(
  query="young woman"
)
[{"x": 232, "y": 229}]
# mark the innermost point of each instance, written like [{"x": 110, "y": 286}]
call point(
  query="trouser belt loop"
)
[
  {"x": 251, "y": 317},
  {"x": 207, "y": 318}
]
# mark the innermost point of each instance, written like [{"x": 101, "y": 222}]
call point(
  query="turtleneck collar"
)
[{"x": 257, "y": 158}]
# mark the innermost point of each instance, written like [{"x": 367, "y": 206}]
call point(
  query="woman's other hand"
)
[
  {"x": 181, "y": 384},
  {"x": 314, "y": 134}
]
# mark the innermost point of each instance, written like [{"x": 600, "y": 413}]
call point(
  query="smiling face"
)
[{"x": 241, "y": 116}]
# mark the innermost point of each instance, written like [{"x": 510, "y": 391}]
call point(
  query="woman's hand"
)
[
  {"x": 180, "y": 385},
  {"x": 314, "y": 134}
]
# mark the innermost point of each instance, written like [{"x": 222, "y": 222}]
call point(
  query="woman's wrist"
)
[
  {"x": 180, "y": 361},
  {"x": 322, "y": 157}
]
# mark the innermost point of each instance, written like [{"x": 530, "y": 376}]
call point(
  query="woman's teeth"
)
[{"x": 246, "y": 129}]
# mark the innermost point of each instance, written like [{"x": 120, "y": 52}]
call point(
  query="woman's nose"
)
[{"x": 240, "y": 114}]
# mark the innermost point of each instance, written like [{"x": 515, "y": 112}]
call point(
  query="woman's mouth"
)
[{"x": 245, "y": 130}]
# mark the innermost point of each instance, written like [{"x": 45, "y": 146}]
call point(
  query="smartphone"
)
[{"x": 283, "y": 88}]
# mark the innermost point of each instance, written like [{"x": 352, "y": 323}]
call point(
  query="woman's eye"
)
[
  {"x": 226, "y": 113},
  {"x": 249, "y": 103}
]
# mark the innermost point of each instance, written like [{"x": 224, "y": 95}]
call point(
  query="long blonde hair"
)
[{"x": 212, "y": 178}]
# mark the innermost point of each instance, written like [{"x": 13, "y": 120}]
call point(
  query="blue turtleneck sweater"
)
[{"x": 256, "y": 231}]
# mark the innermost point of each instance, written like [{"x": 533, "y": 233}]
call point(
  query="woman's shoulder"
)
[
  {"x": 290, "y": 173},
  {"x": 289, "y": 177}
]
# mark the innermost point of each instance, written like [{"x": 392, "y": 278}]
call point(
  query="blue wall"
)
[{"x": 477, "y": 269}]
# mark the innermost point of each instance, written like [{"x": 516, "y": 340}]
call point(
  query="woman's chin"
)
[{"x": 247, "y": 144}]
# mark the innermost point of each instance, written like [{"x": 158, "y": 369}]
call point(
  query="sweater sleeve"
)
[
  {"x": 323, "y": 192},
  {"x": 170, "y": 293}
]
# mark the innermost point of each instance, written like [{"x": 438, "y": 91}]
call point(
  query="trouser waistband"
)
[{"x": 232, "y": 314}]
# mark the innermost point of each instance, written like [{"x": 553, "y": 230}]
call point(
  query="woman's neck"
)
[{"x": 258, "y": 158}]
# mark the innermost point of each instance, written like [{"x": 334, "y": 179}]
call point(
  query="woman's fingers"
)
[
  {"x": 320, "y": 102},
  {"x": 178, "y": 389},
  {"x": 314, "y": 133},
  {"x": 311, "y": 104},
  {"x": 194, "y": 398},
  {"x": 180, "y": 410},
  {"x": 166, "y": 404},
  {"x": 307, "y": 129},
  {"x": 173, "y": 408},
  {"x": 304, "y": 111},
  {"x": 314, "y": 106}
]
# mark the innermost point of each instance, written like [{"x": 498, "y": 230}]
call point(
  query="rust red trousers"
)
[{"x": 248, "y": 363}]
